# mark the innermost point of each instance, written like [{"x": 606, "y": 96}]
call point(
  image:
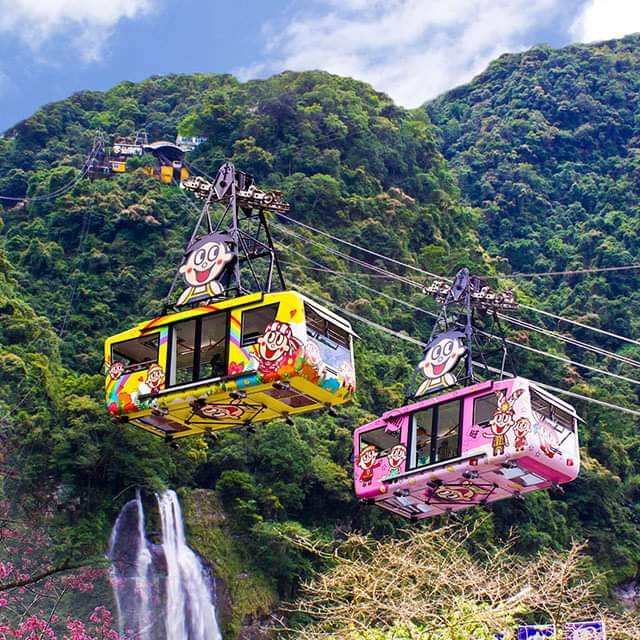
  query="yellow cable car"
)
[
  {"x": 118, "y": 166},
  {"x": 230, "y": 363}
]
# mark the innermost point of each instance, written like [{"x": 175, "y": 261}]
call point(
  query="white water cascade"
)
[
  {"x": 161, "y": 591},
  {"x": 131, "y": 578},
  {"x": 189, "y": 611}
]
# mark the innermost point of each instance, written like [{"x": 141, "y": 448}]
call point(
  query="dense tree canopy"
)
[{"x": 547, "y": 176}]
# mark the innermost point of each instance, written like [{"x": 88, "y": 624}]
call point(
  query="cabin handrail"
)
[
  {"x": 197, "y": 383},
  {"x": 432, "y": 467}
]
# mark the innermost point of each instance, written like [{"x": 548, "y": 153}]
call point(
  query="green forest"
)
[{"x": 531, "y": 168}]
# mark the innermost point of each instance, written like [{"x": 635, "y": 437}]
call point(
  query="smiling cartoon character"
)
[
  {"x": 206, "y": 261},
  {"x": 440, "y": 358},
  {"x": 520, "y": 429},
  {"x": 210, "y": 411},
  {"x": 367, "y": 462},
  {"x": 502, "y": 421},
  {"x": 275, "y": 347},
  {"x": 116, "y": 369},
  {"x": 396, "y": 457},
  {"x": 153, "y": 382},
  {"x": 464, "y": 492}
]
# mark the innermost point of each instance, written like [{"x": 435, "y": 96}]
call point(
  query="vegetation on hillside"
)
[
  {"x": 545, "y": 143},
  {"x": 92, "y": 262}
]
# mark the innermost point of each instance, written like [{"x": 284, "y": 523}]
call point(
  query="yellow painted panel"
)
[
  {"x": 118, "y": 167},
  {"x": 166, "y": 175}
]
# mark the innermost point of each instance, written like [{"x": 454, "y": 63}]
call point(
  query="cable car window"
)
[
  {"x": 198, "y": 349},
  {"x": 381, "y": 439},
  {"x": 182, "y": 353},
  {"x": 213, "y": 347},
  {"x": 447, "y": 431},
  {"x": 332, "y": 341},
  {"x": 435, "y": 434},
  {"x": 543, "y": 410},
  {"x": 255, "y": 321},
  {"x": 423, "y": 428},
  {"x": 136, "y": 354},
  {"x": 484, "y": 407}
]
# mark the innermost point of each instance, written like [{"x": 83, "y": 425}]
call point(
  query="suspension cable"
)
[
  {"x": 414, "y": 268},
  {"x": 491, "y": 336},
  {"x": 543, "y": 331},
  {"x": 412, "y": 340}
]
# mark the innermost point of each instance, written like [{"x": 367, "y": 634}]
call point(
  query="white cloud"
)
[
  {"x": 411, "y": 49},
  {"x": 606, "y": 19},
  {"x": 87, "y": 23}
]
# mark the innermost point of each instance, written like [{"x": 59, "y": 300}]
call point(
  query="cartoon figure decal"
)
[
  {"x": 153, "y": 382},
  {"x": 440, "y": 358},
  {"x": 276, "y": 348},
  {"x": 396, "y": 457},
  {"x": 549, "y": 439},
  {"x": 313, "y": 357},
  {"x": 205, "y": 263},
  {"x": 502, "y": 421},
  {"x": 521, "y": 428},
  {"x": 116, "y": 369},
  {"x": 367, "y": 462},
  {"x": 348, "y": 377},
  {"x": 210, "y": 411},
  {"x": 464, "y": 492}
]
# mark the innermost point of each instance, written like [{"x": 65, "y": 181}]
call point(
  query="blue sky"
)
[{"x": 411, "y": 49}]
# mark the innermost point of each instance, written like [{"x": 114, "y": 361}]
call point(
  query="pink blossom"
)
[{"x": 6, "y": 568}]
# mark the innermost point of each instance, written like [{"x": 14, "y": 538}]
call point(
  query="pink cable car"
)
[{"x": 469, "y": 446}]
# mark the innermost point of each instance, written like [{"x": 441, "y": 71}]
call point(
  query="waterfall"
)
[
  {"x": 161, "y": 591},
  {"x": 189, "y": 611},
  {"x": 130, "y": 571}
]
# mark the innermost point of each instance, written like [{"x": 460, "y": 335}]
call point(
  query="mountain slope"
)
[{"x": 102, "y": 256}]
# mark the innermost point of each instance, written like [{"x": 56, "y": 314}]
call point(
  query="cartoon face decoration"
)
[
  {"x": 277, "y": 343},
  {"x": 219, "y": 411},
  {"x": 116, "y": 369},
  {"x": 464, "y": 492},
  {"x": 367, "y": 457},
  {"x": 502, "y": 419},
  {"x": 155, "y": 377},
  {"x": 440, "y": 359},
  {"x": 367, "y": 462},
  {"x": 521, "y": 428},
  {"x": 397, "y": 456},
  {"x": 443, "y": 355},
  {"x": 205, "y": 262}
]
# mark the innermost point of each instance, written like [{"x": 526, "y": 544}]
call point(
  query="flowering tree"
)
[{"x": 41, "y": 595}]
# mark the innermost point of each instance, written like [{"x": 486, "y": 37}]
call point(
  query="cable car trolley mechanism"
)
[
  {"x": 459, "y": 441},
  {"x": 233, "y": 350}
]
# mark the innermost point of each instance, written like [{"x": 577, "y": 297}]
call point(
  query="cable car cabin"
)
[
  {"x": 482, "y": 443},
  {"x": 229, "y": 364}
]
